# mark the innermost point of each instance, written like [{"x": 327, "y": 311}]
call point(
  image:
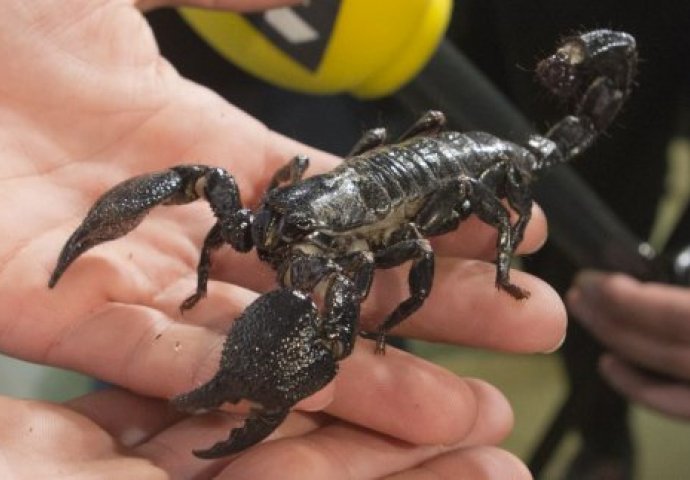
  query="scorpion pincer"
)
[{"x": 328, "y": 233}]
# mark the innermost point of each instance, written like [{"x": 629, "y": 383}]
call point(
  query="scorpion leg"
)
[
  {"x": 341, "y": 315},
  {"x": 359, "y": 266},
  {"x": 441, "y": 213},
  {"x": 371, "y": 139},
  {"x": 290, "y": 173},
  {"x": 232, "y": 226},
  {"x": 420, "y": 280},
  {"x": 487, "y": 206},
  {"x": 213, "y": 241},
  {"x": 520, "y": 199},
  {"x": 343, "y": 294},
  {"x": 429, "y": 123}
]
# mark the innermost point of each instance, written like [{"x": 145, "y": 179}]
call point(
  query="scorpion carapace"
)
[{"x": 328, "y": 233}]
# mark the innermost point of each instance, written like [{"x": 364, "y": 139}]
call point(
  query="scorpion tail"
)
[
  {"x": 597, "y": 70},
  {"x": 260, "y": 424}
]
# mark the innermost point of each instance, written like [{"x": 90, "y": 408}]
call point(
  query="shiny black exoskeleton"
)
[{"x": 326, "y": 235}]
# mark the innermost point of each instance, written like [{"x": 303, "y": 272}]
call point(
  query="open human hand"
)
[
  {"x": 114, "y": 434},
  {"x": 87, "y": 101},
  {"x": 646, "y": 327}
]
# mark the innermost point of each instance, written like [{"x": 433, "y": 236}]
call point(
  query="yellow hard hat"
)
[{"x": 368, "y": 48}]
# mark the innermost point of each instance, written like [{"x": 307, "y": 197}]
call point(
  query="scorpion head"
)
[
  {"x": 273, "y": 230},
  {"x": 289, "y": 214}
]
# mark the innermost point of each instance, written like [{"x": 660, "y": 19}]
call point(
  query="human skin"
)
[
  {"x": 646, "y": 330},
  {"x": 86, "y": 101}
]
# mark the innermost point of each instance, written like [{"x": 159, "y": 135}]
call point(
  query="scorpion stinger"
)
[
  {"x": 327, "y": 234},
  {"x": 596, "y": 69}
]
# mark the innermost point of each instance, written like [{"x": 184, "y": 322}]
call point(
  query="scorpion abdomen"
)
[{"x": 404, "y": 174}]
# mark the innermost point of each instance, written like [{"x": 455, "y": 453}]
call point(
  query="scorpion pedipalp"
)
[
  {"x": 275, "y": 354},
  {"x": 123, "y": 207},
  {"x": 116, "y": 213}
]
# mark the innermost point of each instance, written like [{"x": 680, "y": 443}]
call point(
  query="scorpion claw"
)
[
  {"x": 259, "y": 425},
  {"x": 116, "y": 213},
  {"x": 275, "y": 355},
  {"x": 206, "y": 397}
]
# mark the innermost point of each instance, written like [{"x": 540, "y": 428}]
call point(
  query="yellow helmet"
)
[{"x": 368, "y": 48}]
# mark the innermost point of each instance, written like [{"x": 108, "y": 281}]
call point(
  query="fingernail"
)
[{"x": 558, "y": 345}]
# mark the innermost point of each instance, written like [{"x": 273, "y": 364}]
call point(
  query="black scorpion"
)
[{"x": 328, "y": 233}]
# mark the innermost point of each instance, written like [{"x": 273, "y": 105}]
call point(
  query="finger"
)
[
  {"x": 147, "y": 353},
  {"x": 337, "y": 451},
  {"x": 476, "y": 239},
  {"x": 171, "y": 449},
  {"x": 633, "y": 345},
  {"x": 32, "y": 426},
  {"x": 466, "y": 308},
  {"x": 344, "y": 451},
  {"x": 148, "y": 340},
  {"x": 131, "y": 419},
  {"x": 477, "y": 463},
  {"x": 658, "y": 310},
  {"x": 667, "y": 396},
  {"x": 40, "y": 439},
  {"x": 406, "y": 397},
  {"x": 488, "y": 423},
  {"x": 495, "y": 419}
]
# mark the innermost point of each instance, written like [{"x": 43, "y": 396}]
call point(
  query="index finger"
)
[{"x": 653, "y": 309}]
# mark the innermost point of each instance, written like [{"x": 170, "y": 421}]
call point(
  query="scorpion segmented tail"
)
[{"x": 598, "y": 68}]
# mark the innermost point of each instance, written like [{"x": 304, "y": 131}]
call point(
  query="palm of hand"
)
[{"x": 108, "y": 113}]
